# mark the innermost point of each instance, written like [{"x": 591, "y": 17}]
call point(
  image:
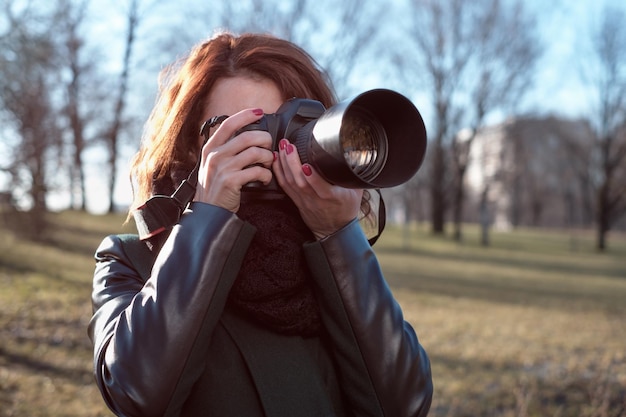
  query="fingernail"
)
[
  {"x": 275, "y": 156},
  {"x": 258, "y": 112},
  {"x": 283, "y": 144},
  {"x": 289, "y": 149},
  {"x": 306, "y": 168}
]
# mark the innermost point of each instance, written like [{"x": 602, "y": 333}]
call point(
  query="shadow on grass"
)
[
  {"x": 563, "y": 265},
  {"x": 508, "y": 291},
  {"x": 40, "y": 365},
  {"x": 72, "y": 246},
  {"x": 72, "y": 231},
  {"x": 76, "y": 238},
  {"x": 18, "y": 267}
]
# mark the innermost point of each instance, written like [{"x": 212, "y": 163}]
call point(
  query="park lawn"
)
[
  {"x": 534, "y": 325},
  {"x": 45, "y": 307}
]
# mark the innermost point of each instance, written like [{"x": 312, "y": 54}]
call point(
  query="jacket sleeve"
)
[
  {"x": 379, "y": 358},
  {"x": 150, "y": 337}
]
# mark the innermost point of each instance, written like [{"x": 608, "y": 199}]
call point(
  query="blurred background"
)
[
  {"x": 523, "y": 100},
  {"x": 522, "y": 193}
]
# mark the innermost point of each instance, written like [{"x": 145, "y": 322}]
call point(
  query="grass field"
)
[{"x": 534, "y": 325}]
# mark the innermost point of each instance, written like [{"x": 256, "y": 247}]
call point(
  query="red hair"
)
[{"x": 169, "y": 143}]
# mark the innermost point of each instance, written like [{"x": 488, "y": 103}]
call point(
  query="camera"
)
[{"x": 375, "y": 140}]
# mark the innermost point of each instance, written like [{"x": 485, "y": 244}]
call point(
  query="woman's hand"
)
[
  {"x": 324, "y": 207},
  {"x": 230, "y": 162}
]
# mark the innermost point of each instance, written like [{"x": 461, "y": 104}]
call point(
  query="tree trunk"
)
[
  {"x": 38, "y": 194},
  {"x": 113, "y": 138},
  {"x": 484, "y": 217},
  {"x": 459, "y": 201},
  {"x": 113, "y": 171},
  {"x": 77, "y": 171},
  {"x": 437, "y": 191},
  {"x": 602, "y": 218}
]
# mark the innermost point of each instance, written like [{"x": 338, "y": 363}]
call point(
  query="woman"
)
[{"x": 248, "y": 307}]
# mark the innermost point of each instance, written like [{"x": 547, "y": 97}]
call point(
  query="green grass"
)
[{"x": 534, "y": 325}]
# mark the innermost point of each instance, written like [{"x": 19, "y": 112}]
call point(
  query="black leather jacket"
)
[{"x": 152, "y": 330}]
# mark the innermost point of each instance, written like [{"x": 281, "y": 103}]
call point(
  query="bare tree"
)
[
  {"x": 608, "y": 78},
  {"x": 507, "y": 50},
  {"x": 27, "y": 88},
  {"x": 577, "y": 148},
  {"x": 442, "y": 34},
  {"x": 478, "y": 57},
  {"x": 112, "y": 136},
  {"x": 78, "y": 71}
]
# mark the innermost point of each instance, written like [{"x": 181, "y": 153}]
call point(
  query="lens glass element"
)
[{"x": 364, "y": 143}]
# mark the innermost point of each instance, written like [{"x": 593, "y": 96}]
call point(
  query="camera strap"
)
[
  {"x": 373, "y": 231},
  {"x": 161, "y": 212}
]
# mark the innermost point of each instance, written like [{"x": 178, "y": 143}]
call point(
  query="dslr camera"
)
[{"x": 375, "y": 140}]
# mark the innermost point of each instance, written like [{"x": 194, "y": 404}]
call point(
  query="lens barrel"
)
[{"x": 376, "y": 140}]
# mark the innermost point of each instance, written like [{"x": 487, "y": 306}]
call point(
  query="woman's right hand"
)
[{"x": 228, "y": 163}]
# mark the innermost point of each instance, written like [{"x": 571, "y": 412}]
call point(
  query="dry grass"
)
[
  {"x": 524, "y": 328},
  {"x": 45, "y": 355},
  {"x": 533, "y": 326}
]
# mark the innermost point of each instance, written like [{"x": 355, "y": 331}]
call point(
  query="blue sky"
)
[{"x": 566, "y": 28}]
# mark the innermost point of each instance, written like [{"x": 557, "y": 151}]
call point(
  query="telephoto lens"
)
[{"x": 375, "y": 140}]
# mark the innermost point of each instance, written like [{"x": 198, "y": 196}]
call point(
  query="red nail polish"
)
[
  {"x": 283, "y": 144},
  {"x": 258, "y": 112},
  {"x": 275, "y": 155},
  {"x": 306, "y": 168},
  {"x": 289, "y": 149}
]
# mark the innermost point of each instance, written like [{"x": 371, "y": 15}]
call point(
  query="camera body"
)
[{"x": 293, "y": 120}]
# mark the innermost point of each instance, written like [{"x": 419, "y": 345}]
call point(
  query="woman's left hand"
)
[{"x": 325, "y": 208}]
